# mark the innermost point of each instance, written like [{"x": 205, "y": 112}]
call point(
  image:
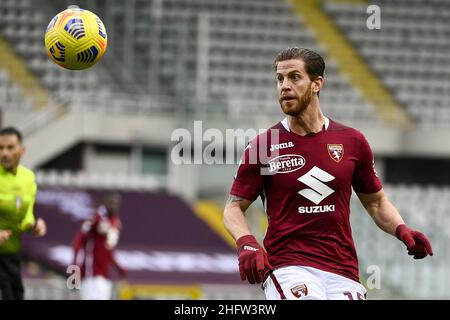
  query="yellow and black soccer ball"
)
[{"x": 76, "y": 39}]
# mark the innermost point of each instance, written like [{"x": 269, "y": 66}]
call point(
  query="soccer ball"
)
[{"x": 75, "y": 39}]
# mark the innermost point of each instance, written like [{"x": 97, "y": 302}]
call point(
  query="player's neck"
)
[
  {"x": 12, "y": 170},
  {"x": 310, "y": 121}
]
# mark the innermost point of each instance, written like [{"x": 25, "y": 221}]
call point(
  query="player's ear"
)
[
  {"x": 317, "y": 84},
  {"x": 22, "y": 151}
]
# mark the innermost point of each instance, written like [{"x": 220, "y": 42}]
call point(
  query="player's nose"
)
[{"x": 285, "y": 85}]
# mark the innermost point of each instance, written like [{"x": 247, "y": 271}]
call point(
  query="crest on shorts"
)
[
  {"x": 336, "y": 151},
  {"x": 300, "y": 290}
]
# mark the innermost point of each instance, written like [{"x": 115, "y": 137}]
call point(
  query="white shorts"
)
[
  {"x": 307, "y": 283},
  {"x": 96, "y": 288}
]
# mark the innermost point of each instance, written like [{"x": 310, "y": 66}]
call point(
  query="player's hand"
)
[
  {"x": 416, "y": 242},
  {"x": 40, "y": 228},
  {"x": 4, "y": 236},
  {"x": 253, "y": 261}
]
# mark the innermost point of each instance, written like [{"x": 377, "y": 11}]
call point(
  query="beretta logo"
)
[{"x": 286, "y": 163}]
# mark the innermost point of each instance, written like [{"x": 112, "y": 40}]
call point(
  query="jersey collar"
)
[{"x": 285, "y": 124}]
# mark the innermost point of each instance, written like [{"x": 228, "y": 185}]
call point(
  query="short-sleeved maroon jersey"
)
[
  {"x": 98, "y": 238},
  {"x": 305, "y": 183}
]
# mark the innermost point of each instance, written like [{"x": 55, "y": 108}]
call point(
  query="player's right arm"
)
[
  {"x": 248, "y": 185},
  {"x": 253, "y": 260},
  {"x": 234, "y": 216},
  {"x": 81, "y": 237}
]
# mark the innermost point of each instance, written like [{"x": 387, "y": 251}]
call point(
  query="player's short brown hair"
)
[{"x": 314, "y": 64}]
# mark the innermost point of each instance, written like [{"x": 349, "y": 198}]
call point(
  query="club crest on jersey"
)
[
  {"x": 300, "y": 290},
  {"x": 336, "y": 151},
  {"x": 280, "y": 146},
  {"x": 286, "y": 163}
]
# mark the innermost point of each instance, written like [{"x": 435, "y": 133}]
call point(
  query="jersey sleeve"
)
[
  {"x": 248, "y": 181},
  {"x": 29, "y": 218},
  {"x": 365, "y": 179},
  {"x": 79, "y": 243},
  {"x": 91, "y": 224}
]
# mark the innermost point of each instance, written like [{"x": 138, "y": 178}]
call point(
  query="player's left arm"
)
[
  {"x": 29, "y": 223},
  {"x": 368, "y": 187},
  {"x": 387, "y": 218},
  {"x": 120, "y": 269},
  {"x": 382, "y": 211}
]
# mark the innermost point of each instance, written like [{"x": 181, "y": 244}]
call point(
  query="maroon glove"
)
[
  {"x": 253, "y": 261},
  {"x": 416, "y": 242}
]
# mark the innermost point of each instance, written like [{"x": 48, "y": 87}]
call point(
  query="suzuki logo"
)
[{"x": 317, "y": 190}]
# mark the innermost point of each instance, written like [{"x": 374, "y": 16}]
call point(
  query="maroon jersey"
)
[
  {"x": 98, "y": 237},
  {"x": 305, "y": 183}
]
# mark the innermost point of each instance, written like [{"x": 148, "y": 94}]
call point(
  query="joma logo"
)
[{"x": 280, "y": 146}]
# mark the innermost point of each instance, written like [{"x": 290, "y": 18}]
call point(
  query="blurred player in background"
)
[
  {"x": 17, "y": 196},
  {"x": 306, "y": 184},
  {"x": 98, "y": 238}
]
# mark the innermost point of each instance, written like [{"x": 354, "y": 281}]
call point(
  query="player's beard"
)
[
  {"x": 300, "y": 104},
  {"x": 7, "y": 163}
]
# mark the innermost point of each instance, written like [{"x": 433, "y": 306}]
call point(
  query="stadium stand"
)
[
  {"x": 211, "y": 59},
  {"x": 205, "y": 51},
  {"x": 228, "y": 45},
  {"x": 163, "y": 242},
  {"x": 424, "y": 208},
  {"x": 411, "y": 58},
  {"x": 11, "y": 96},
  {"x": 101, "y": 180}
]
